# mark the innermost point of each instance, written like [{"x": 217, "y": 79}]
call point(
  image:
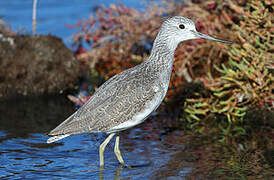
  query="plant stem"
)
[{"x": 34, "y": 17}]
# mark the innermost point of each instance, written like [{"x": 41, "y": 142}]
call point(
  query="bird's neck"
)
[{"x": 162, "y": 53}]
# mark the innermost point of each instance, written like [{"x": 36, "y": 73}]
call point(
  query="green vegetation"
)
[{"x": 244, "y": 83}]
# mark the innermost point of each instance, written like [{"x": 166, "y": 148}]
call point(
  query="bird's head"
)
[{"x": 178, "y": 28}]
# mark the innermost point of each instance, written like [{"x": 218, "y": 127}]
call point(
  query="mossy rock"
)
[{"x": 35, "y": 65}]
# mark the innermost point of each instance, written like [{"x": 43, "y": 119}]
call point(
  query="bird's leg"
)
[
  {"x": 117, "y": 151},
  {"x": 102, "y": 148}
]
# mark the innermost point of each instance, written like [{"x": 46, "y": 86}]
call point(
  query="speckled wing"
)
[{"x": 118, "y": 100}]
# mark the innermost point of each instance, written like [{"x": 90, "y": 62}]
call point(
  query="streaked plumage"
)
[{"x": 129, "y": 97}]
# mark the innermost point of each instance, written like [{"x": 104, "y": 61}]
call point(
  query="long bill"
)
[{"x": 205, "y": 36}]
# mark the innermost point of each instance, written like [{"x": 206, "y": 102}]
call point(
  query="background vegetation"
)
[
  {"x": 231, "y": 110},
  {"x": 225, "y": 92}
]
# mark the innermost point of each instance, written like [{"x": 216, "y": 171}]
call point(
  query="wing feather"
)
[{"x": 116, "y": 101}]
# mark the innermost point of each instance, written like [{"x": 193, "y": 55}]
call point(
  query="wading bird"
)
[{"x": 129, "y": 97}]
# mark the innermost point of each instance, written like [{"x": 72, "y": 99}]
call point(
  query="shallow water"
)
[{"x": 24, "y": 152}]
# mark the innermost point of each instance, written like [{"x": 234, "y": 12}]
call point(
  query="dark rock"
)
[{"x": 35, "y": 65}]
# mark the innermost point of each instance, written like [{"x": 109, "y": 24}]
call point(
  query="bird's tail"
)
[{"x": 56, "y": 138}]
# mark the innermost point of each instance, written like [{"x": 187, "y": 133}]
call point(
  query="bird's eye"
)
[{"x": 181, "y": 26}]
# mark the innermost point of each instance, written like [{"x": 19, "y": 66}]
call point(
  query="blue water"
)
[
  {"x": 24, "y": 153},
  {"x": 77, "y": 157},
  {"x": 54, "y": 15}
]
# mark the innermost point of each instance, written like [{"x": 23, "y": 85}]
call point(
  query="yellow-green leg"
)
[
  {"x": 102, "y": 148},
  {"x": 117, "y": 151}
]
